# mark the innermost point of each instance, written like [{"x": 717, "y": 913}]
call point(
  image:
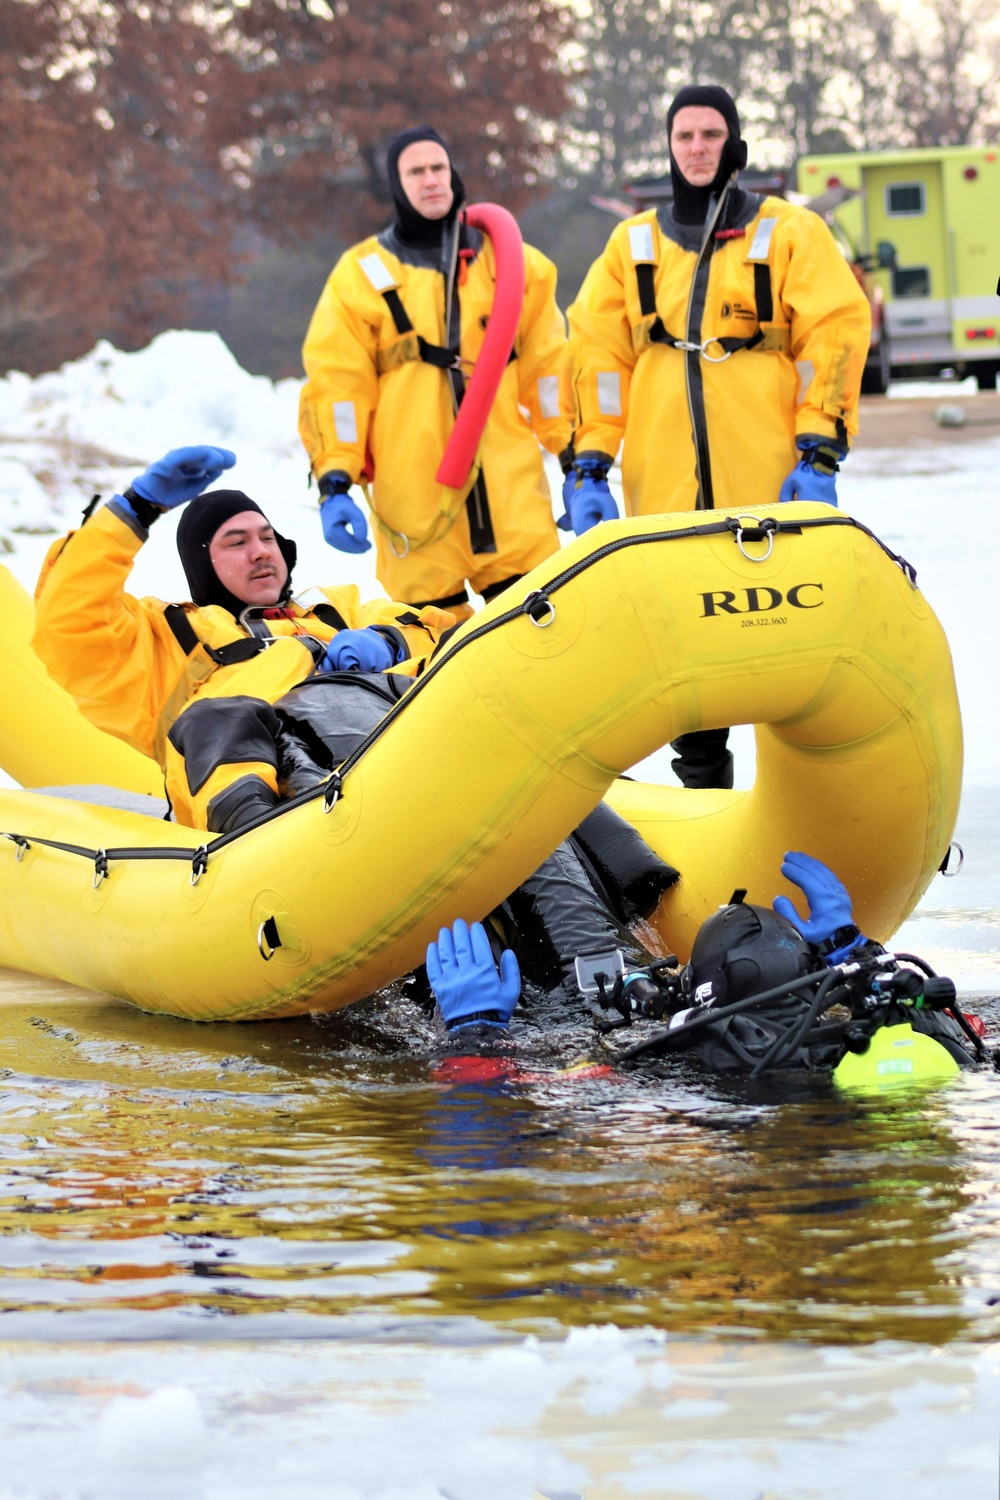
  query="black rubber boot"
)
[{"x": 703, "y": 761}]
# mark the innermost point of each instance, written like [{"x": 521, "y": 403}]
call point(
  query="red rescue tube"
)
[{"x": 477, "y": 403}]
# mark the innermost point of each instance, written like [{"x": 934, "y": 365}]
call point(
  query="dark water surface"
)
[{"x": 158, "y": 1166}]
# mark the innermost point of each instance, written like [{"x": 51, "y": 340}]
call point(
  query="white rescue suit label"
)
[
  {"x": 378, "y": 272},
  {"x": 345, "y": 422},
  {"x": 548, "y": 395},
  {"x": 760, "y": 245},
  {"x": 609, "y": 393},
  {"x": 640, "y": 239}
]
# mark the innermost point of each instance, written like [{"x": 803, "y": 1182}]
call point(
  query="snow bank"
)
[
  {"x": 91, "y": 426},
  {"x": 97, "y": 419}
]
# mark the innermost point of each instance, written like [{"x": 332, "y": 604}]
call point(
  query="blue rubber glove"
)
[
  {"x": 587, "y": 497},
  {"x": 358, "y": 651},
  {"x": 464, "y": 978},
  {"x": 828, "y": 898},
  {"x": 343, "y": 522},
  {"x": 815, "y": 475},
  {"x": 568, "y": 489},
  {"x": 181, "y": 475}
]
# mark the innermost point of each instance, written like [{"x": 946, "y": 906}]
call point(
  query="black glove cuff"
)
[
  {"x": 839, "y": 939},
  {"x": 596, "y": 464},
  {"x": 567, "y": 458},
  {"x": 824, "y": 458},
  {"x": 489, "y": 1017},
  {"x": 145, "y": 511},
  {"x": 334, "y": 482}
]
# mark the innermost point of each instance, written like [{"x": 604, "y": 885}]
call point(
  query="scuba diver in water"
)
[
  {"x": 249, "y": 695},
  {"x": 764, "y": 989}
]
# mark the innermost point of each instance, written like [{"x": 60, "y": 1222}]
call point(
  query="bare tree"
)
[{"x": 947, "y": 84}]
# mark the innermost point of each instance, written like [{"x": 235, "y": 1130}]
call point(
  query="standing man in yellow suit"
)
[
  {"x": 391, "y": 344},
  {"x": 721, "y": 339}
]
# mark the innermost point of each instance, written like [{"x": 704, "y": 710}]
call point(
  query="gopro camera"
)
[{"x": 609, "y": 966}]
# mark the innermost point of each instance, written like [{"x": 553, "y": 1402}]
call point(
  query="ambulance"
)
[{"x": 927, "y": 224}]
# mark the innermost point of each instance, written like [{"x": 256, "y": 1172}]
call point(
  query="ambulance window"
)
[
  {"x": 905, "y": 199},
  {"x": 911, "y": 281}
]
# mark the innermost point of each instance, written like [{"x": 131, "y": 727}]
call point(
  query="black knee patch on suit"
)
[
  {"x": 215, "y": 732},
  {"x": 240, "y": 804},
  {"x": 703, "y": 761}
]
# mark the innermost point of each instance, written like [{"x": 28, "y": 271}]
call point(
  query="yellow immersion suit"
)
[
  {"x": 373, "y": 403},
  {"x": 184, "y": 683},
  {"x": 702, "y": 430}
]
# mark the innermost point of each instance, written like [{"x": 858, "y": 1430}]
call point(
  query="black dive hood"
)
[
  {"x": 411, "y": 226},
  {"x": 690, "y": 202},
  {"x": 743, "y": 950},
  {"x": 199, "y": 523}
]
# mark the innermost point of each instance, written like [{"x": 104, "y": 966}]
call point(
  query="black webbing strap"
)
[
  {"x": 184, "y": 634},
  {"x": 447, "y": 601},
  {"x": 644, "y": 275},
  {"x": 431, "y": 354},
  {"x": 762, "y": 291},
  {"x": 223, "y": 656},
  {"x": 477, "y": 505},
  {"x": 330, "y": 616},
  {"x": 658, "y": 334}
]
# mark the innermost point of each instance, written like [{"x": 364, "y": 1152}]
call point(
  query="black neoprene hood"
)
[
  {"x": 198, "y": 525},
  {"x": 411, "y": 225},
  {"x": 690, "y": 202}
]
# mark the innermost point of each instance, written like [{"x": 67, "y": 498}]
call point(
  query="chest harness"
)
[
  {"x": 445, "y": 357},
  {"x": 644, "y": 260},
  {"x": 692, "y": 345},
  {"x": 248, "y": 646}
]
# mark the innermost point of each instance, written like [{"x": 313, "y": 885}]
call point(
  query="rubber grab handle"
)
[{"x": 508, "y": 299}]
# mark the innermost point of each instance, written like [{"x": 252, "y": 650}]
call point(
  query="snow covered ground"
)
[{"x": 594, "y": 1414}]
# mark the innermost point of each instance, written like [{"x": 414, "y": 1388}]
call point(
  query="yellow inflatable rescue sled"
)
[{"x": 792, "y": 618}]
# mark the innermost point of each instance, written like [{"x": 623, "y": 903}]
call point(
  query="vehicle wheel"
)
[
  {"x": 875, "y": 376},
  {"x": 986, "y": 376}
]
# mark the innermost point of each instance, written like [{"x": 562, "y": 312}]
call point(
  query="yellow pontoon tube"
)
[
  {"x": 44, "y": 739},
  {"x": 790, "y": 617}
]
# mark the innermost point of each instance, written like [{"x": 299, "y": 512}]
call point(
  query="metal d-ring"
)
[
  {"x": 22, "y": 846},
  {"x": 945, "y": 866},
  {"x": 392, "y": 543},
  {"x": 768, "y": 532},
  {"x": 199, "y": 863},
  {"x": 266, "y": 952},
  {"x": 714, "y": 359},
  {"x": 542, "y": 603},
  {"x": 334, "y": 792},
  {"x": 100, "y": 868}
]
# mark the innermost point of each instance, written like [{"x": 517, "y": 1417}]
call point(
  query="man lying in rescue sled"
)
[
  {"x": 764, "y": 989},
  {"x": 195, "y": 686},
  {"x": 251, "y": 694}
]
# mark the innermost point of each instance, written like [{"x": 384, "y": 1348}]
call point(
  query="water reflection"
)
[{"x": 155, "y": 1164}]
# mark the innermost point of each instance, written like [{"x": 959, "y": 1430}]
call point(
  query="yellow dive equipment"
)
[
  {"x": 789, "y": 617},
  {"x": 896, "y": 1055}
]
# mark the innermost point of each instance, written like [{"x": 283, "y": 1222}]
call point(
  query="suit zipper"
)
[{"x": 692, "y": 359}]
